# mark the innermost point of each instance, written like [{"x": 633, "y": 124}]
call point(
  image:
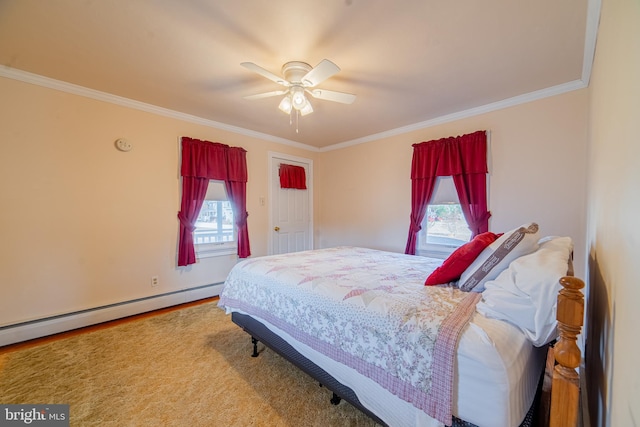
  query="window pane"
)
[
  {"x": 214, "y": 224},
  {"x": 446, "y": 225}
]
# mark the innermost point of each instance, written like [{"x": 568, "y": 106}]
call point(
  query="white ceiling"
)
[{"x": 410, "y": 62}]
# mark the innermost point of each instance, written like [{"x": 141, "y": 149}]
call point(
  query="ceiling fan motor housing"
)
[{"x": 294, "y": 71}]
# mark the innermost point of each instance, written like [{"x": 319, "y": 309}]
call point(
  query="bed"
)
[{"x": 364, "y": 323}]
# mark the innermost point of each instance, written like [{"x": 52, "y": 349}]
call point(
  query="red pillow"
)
[{"x": 460, "y": 259}]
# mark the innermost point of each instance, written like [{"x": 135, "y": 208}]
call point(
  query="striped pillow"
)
[{"x": 497, "y": 257}]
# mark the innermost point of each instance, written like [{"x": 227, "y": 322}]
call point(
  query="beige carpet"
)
[{"x": 190, "y": 367}]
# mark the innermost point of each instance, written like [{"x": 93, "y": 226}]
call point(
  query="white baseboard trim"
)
[{"x": 43, "y": 327}]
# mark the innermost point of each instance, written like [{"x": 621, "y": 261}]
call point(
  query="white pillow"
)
[
  {"x": 498, "y": 255},
  {"x": 525, "y": 294}
]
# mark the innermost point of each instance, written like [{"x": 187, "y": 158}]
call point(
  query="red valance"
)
[
  {"x": 451, "y": 156},
  {"x": 213, "y": 160},
  {"x": 292, "y": 176}
]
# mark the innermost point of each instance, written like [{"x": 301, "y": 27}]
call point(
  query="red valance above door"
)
[{"x": 292, "y": 176}]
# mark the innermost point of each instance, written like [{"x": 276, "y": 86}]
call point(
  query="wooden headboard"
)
[{"x": 561, "y": 403}]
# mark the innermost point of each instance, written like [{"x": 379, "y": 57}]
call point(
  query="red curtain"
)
[
  {"x": 292, "y": 176},
  {"x": 201, "y": 162},
  {"x": 194, "y": 190},
  {"x": 463, "y": 157},
  {"x": 236, "y": 187}
]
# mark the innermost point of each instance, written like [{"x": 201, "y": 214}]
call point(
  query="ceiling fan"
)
[{"x": 300, "y": 78}]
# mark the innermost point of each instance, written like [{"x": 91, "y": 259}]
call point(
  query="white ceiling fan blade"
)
[
  {"x": 320, "y": 73},
  {"x": 266, "y": 94},
  {"x": 264, "y": 73},
  {"x": 330, "y": 95}
]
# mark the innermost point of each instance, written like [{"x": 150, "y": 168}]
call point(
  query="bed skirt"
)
[{"x": 263, "y": 334}]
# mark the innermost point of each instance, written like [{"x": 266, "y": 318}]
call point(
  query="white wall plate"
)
[{"x": 123, "y": 145}]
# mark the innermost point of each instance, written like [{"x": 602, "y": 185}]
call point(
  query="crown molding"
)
[
  {"x": 26, "y": 77},
  {"x": 590, "y": 38},
  {"x": 50, "y": 83},
  {"x": 510, "y": 102}
]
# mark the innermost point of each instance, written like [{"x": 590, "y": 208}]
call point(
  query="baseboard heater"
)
[{"x": 25, "y": 331}]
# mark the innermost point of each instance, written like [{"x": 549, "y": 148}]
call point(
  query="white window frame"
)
[
  {"x": 444, "y": 193},
  {"x": 208, "y": 250}
]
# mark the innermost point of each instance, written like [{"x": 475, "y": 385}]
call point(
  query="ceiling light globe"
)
[
  {"x": 297, "y": 98},
  {"x": 306, "y": 108},
  {"x": 285, "y": 105}
]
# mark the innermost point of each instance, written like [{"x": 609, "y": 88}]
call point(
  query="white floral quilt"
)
[{"x": 366, "y": 309}]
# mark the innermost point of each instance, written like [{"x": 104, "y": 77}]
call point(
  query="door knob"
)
[{"x": 276, "y": 228}]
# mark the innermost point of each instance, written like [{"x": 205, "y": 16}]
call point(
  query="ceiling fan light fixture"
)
[
  {"x": 300, "y": 77},
  {"x": 297, "y": 98},
  {"x": 306, "y": 109},
  {"x": 286, "y": 105}
]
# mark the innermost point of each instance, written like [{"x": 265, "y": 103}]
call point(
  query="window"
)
[
  {"x": 444, "y": 227},
  {"x": 215, "y": 232}
]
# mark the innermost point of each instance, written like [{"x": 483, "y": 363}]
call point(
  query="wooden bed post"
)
[{"x": 565, "y": 390}]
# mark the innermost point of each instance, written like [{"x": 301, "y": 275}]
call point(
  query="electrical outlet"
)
[{"x": 155, "y": 281}]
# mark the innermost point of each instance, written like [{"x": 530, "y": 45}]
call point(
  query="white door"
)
[{"x": 291, "y": 221}]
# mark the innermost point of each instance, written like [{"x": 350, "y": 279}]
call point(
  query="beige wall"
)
[
  {"x": 83, "y": 225},
  {"x": 614, "y": 236},
  {"x": 537, "y": 164}
]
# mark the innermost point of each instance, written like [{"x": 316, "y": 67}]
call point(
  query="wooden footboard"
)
[{"x": 565, "y": 387}]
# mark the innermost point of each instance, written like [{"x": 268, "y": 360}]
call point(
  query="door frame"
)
[{"x": 271, "y": 155}]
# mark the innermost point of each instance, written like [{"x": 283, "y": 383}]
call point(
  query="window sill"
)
[
  {"x": 214, "y": 250},
  {"x": 436, "y": 251}
]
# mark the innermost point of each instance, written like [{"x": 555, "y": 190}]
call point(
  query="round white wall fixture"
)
[{"x": 123, "y": 145}]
